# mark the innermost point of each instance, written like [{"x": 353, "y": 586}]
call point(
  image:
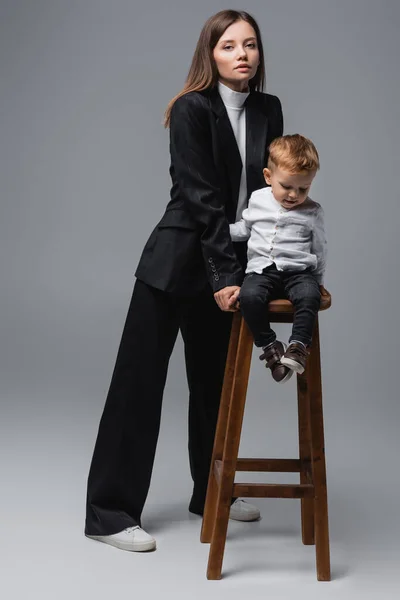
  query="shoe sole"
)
[
  {"x": 138, "y": 546},
  {"x": 292, "y": 364},
  {"x": 247, "y": 518}
]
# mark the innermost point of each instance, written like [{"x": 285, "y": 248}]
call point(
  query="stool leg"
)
[
  {"x": 307, "y": 504},
  {"x": 318, "y": 460},
  {"x": 219, "y": 440},
  {"x": 230, "y": 453}
]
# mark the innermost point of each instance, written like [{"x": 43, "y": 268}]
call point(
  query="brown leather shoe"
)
[
  {"x": 272, "y": 355},
  {"x": 295, "y": 357}
]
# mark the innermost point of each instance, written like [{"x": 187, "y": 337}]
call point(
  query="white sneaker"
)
[
  {"x": 134, "y": 539},
  {"x": 243, "y": 511}
]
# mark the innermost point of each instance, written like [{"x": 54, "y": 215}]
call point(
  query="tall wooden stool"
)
[{"x": 310, "y": 464}]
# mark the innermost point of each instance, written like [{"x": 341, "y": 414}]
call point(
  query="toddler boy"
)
[{"x": 286, "y": 253}]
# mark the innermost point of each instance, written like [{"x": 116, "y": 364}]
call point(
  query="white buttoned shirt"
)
[{"x": 294, "y": 239}]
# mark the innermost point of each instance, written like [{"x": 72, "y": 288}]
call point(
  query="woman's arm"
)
[
  {"x": 276, "y": 119},
  {"x": 199, "y": 185}
]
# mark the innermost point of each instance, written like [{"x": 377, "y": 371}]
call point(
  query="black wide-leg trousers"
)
[{"x": 122, "y": 463}]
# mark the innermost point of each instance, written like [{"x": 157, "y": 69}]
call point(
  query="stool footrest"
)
[
  {"x": 267, "y": 490},
  {"x": 271, "y": 465},
  {"x": 273, "y": 490}
]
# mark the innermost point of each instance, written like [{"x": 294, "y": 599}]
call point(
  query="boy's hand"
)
[
  {"x": 227, "y": 298},
  {"x": 323, "y": 291}
]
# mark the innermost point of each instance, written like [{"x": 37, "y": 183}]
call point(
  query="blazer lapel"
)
[
  {"x": 256, "y": 139},
  {"x": 229, "y": 147}
]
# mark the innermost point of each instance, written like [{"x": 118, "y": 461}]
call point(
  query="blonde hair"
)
[
  {"x": 293, "y": 153},
  {"x": 203, "y": 72}
]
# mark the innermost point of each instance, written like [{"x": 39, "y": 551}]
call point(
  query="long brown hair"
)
[{"x": 203, "y": 72}]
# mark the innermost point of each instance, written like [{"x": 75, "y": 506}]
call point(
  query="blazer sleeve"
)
[{"x": 192, "y": 158}]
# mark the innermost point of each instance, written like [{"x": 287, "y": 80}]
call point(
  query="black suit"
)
[
  {"x": 188, "y": 256},
  {"x": 205, "y": 170}
]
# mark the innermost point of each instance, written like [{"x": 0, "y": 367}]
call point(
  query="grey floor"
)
[{"x": 45, "y": 458}]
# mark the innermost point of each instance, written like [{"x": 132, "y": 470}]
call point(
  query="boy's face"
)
[{"x": 289, "y": 189}]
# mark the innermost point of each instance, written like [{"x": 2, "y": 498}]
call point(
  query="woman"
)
[{"x": 188, "y": 279}]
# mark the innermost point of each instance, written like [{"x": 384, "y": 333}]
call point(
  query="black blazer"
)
[{"x": 191, "y": 244}]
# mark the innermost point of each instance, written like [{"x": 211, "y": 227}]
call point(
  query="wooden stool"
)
[{"x": 310, "y": 464}]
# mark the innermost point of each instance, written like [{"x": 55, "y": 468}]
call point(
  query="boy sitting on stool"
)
[{"x": 286, "y": 253}]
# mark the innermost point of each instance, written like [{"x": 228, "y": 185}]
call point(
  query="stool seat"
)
[{"x": 285, "y": 306}]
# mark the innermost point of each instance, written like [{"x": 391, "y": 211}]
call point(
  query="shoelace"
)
[{"x": 130, "y": 529}]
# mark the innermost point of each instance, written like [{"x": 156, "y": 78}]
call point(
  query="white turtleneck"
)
[{"x": 234, "y": 104}]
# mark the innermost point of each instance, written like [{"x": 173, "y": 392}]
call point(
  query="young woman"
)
[{"x": 188, "y": 279}]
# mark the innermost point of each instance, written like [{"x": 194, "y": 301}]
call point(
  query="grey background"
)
[{"x": 84, "y": 178}]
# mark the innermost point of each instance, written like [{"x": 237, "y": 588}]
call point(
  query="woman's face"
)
[{"x": 236, "y": 56}]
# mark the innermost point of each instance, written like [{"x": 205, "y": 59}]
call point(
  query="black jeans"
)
[{"x": 300, "y": 287}]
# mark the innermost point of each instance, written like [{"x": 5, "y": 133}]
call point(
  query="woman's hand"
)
[{"x": 227, "y": 298}]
